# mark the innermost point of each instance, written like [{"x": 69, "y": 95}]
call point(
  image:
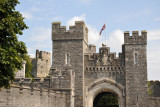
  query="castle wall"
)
[
  {"x": 154, "y": 102},
  {"x": 17, "y": 97}
]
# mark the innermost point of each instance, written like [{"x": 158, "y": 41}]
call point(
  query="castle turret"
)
[
  {"x": 41, "y": 64},
  {"x": 135, "y": 38},
  {"x": 68, "y": 52},
  {"x": 136, "y": 69}
]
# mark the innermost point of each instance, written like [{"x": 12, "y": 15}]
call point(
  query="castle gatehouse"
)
[
  {"x": 94, "y": 73},
  {"x": 79, "y": 76}
]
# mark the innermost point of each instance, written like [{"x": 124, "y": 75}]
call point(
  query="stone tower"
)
[
  {"x": 134, "y": 49},
  {"x": 41, "y": 64},
  {"x": 68, "y": 53}
]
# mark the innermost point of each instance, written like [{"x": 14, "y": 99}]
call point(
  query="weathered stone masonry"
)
[
  {"x": 25, "y": 93},
  {"x": 78, "y": 74}
]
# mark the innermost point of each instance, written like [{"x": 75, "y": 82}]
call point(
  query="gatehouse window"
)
[
  {"x": 135, "y": 58},
  {"x": 67, "y": 59}
]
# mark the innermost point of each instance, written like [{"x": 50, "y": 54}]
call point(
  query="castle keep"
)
[{"x": 78, "y": 74}]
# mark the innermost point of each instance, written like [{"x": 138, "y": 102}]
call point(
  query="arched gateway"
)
[
  {"x": 105, "y": 85},
  {"x": 104, "y": 74}
]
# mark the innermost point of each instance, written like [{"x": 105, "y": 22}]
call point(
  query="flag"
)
[{"x": 104, "y": 27}]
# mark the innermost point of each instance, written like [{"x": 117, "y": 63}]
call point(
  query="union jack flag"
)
[{"x": 104, "y": 27}]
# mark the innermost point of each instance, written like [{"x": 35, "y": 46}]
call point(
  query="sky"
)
[{"x": 118, "y": 15}]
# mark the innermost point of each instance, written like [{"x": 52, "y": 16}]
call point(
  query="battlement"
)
[
  {"x": 91, "y": 49},
  {"x": 78, "y": 31},
  {"x": 107, "y": 51},
  {"x": 35, "y": 83},
  {"x": 43, "y": 55},
  {"x": 32, "y": 90},
  {"x": 135, "y": 38},
  {"x": 103, "y": 58},
  {"x": 154, "y": 82}
]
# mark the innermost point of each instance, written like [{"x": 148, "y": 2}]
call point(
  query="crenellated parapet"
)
[
  {"x": 90, "y": 49},
  {"x": 60, "y": 82},
  {"x": 152, "y": 82},
  {"x": 77, "y": 32},
  {"x": 135, "y": 38},
  {"x": 35, "y": 83},
  {"x": 103, "y": 58},
  {"x": 43, "y": 55},
  {"x": 28, "y": 96}
]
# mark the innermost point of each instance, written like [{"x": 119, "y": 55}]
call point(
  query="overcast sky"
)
[{"x": 119, "y": 16}]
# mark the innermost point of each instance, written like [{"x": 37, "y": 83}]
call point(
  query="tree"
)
[
  {"x": 150, "y": 91},
  {"x": 106, "y": 99},
  {"x": 29, "y": 66},
  {"x": 11, "y": 50}
]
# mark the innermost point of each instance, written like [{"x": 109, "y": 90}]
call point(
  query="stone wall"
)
[
  {"x": 154, "y": 102},
  {"x": 25, "y": 97},
  {"x": 94, "y": 73}
]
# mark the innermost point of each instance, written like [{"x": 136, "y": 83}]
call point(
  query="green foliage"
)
[
  {"x": 28, "y": 68},
  {"x": 11, "y": 50},
  {"x": 106, "y": 99},
  {"x": 150, "y": 91}
]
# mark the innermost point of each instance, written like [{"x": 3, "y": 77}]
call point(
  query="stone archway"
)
[{"x": 104, "y": 85}]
